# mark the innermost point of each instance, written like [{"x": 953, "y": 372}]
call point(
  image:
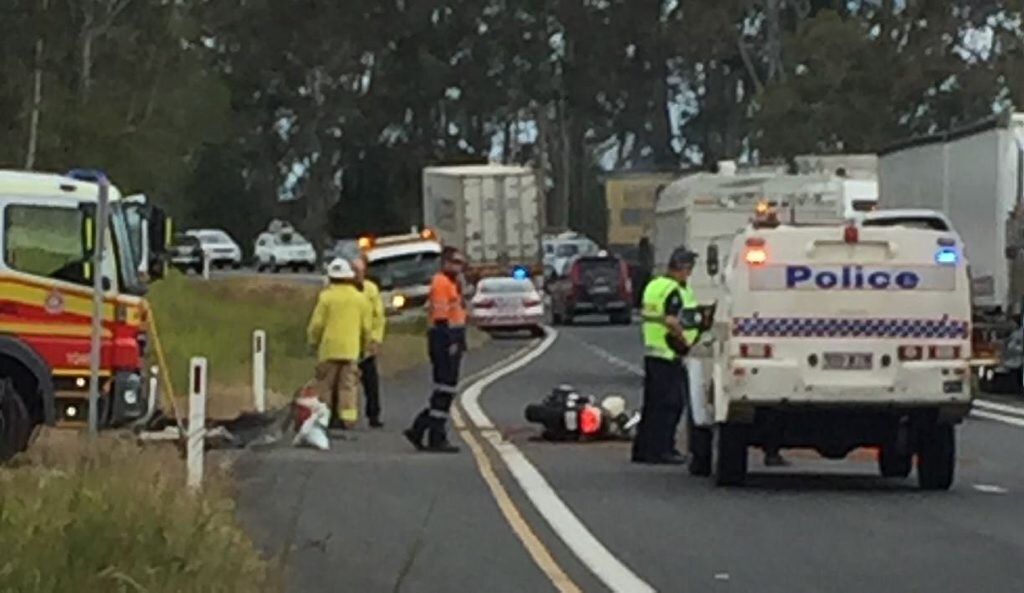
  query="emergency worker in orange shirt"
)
[{"x": 446, "y": 339}]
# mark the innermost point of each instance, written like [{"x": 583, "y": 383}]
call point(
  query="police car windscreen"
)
[{"x": 928, "y": 223}]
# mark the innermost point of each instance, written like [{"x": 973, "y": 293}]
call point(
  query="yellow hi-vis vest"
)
[{"x": 654, "y": 330}]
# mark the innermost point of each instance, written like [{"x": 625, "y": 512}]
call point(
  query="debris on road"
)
[{"x": 569, "y": 416}]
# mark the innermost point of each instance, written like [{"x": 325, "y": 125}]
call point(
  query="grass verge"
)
[
  {"x": 106, "y": 515},
  {"x": 216, "y": 319}
]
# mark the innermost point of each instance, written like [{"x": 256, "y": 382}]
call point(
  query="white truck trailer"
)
[
  {"x": 975, "y": 175},
  {"x": 492, "y": 213}
]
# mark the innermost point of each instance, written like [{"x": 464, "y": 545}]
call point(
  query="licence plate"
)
[
  {"x": 847, "y": 361},
  {"x": 601, "y": 290}
]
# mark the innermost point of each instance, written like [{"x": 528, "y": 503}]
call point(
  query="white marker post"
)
[
  {"x": 259, "y": 370},
  {"x": 196, "y": 421},
  {"x": 206, "y": 266},
  {"x": 154, "y": 390}
]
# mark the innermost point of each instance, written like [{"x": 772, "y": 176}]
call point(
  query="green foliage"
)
[
  {"x": 109, "y": 516},
  {"x": 216, "y": 109}
]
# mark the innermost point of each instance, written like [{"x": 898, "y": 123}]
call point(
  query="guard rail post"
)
[{"x": 259, "y": 370}]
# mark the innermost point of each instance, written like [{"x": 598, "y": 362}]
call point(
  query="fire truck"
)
[
  {"x": 403, "y": 266},
  {"x": 47, "y": 224}
]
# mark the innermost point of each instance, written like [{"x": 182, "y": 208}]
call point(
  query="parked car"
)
[
  {"x": 284, "y": 249},
  {"x": 219, "y": 247},
  {"x": 507, "y": 304},
  {"x": 186, "y": 253},
  {"x": 596, "y": 284}
]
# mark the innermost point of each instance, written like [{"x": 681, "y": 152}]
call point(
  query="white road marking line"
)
[
  {"x": 998, "y": 417},
  {"x": 996, "y": 407},
  {"x": 573, "y": 533},
  {"x": 990, "y": 489}
]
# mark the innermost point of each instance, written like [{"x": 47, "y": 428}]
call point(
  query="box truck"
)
[
  {"x": 975, "y": 175},
  {"x": 492, "y": 213}
]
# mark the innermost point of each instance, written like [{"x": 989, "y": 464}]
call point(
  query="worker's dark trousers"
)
[
  {"x": 665, "y": 388},
  {"x": 371, "y": 386},
  {"x": 445, "y": 366}
]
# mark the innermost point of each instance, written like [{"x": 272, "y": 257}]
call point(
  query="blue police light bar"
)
[
  {"x": 519, "y": 273},
  {"x": 89, "y": 175},
  {"x": 947, "y": 255}
]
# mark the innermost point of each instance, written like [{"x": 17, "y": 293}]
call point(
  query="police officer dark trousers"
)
[
  {"x": 665, "y": 380},
  {"x": 446, "y": 342}
]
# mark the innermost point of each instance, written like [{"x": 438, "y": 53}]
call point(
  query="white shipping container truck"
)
[
  {"x": 975, "y": 175},
  {"x": 493, "y": 213}
]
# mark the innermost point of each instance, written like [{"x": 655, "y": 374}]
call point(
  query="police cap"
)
[{"x": 682, "y": 258}]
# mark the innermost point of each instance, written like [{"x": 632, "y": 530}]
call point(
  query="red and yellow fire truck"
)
[{"x": 47, "y": 226}]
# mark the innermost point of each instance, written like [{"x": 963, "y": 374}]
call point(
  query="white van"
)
[
  {"x": 285, "y": 248},
  {"x": 835, "y": 338}
]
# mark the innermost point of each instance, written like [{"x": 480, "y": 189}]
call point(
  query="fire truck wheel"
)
[
  {"x": 730, "y": 454},
  {"x": 936, "y": 457},
  {"x": 15, "y": 422},
  {"x": 699, "y": 440}
]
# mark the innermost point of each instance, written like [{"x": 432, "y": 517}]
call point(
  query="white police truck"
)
[{"x": 834, "y": 338}]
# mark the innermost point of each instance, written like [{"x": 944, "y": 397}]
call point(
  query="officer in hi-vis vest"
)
[{"x": 666, "y": 342}]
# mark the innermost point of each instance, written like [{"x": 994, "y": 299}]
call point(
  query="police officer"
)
[
  {"x": 368, "y": 364},
  {"x": 446, "y": 339},
  {"x": 666, "y": 341}
]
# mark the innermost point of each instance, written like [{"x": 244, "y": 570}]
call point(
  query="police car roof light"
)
[
  {"x": 851, "y": 234},
  {"x": 519, "y": 273},
  {"x": 947, "y": 256},
  {"x": 90, "y": 175}
]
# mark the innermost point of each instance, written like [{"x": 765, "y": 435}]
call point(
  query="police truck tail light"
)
[
  {"x": 911, "y": 353},
  {"x": 851, "y": 234},
  {"x": 944, "y": 352},
  {"x": 484, "y": 304},
  {"x": 755, "y": 254},
  {"x": 755, "y": 351},
  {"x": 531, "y": 302}
]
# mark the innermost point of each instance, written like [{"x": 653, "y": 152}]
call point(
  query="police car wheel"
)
[
  {"x": 15, "y": 422},
  {"x": 730, "y": 454},
  {"x": 936, "y": 457},
  {"x": 699, "y": 441}
]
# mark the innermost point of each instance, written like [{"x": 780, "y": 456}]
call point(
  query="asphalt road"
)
[{"x": 373, "y": 516}]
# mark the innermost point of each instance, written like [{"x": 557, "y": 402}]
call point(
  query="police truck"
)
[{"x": 833, "y": 338}]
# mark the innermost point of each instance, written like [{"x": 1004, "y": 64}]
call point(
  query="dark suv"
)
[
  {"x": 186, "y": 253},
  {"x": 594, "y": 285}
]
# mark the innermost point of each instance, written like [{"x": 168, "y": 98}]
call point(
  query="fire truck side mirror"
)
[
  {"x": 159, "y": 235},
  {"x": 88, "y": 229}
]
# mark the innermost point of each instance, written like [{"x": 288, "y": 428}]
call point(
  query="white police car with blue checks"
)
[{"x": 835, "y": 338}]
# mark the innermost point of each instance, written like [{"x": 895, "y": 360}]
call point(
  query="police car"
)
[{"x": 835, "y": 338}]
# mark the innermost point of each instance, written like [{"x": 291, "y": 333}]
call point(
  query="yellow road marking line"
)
[{"x": 537, "y": 550}]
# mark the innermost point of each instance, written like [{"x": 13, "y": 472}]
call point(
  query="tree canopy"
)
[{"x": 233, "y": 112}]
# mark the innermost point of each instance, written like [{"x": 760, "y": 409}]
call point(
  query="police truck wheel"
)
[
  {"x": 699, "y": 441},
  {"x": 936, "y": 457},
  {"x": 15, "y": 422},
  {"x": 730, "y": 452},
  {"x": 896, "y": 455}
]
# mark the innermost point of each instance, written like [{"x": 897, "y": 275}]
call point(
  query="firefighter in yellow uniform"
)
[
  {"x": 339, "y": 328},
  {"x": 368, "y": 364},
  {"x": 666, "y": 342}
]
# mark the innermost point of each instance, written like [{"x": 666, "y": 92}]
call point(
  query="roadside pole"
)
[
  {"x": 196, "y": 422},
  {"x": 154, "y": 391},
  {"x": 95, "y": 345},
  {"x": 259, "y": 370},
  {"x": 206, "y": 266}
]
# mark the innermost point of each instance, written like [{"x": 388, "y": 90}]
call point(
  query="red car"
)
[{"x": 594, "y": 285}]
